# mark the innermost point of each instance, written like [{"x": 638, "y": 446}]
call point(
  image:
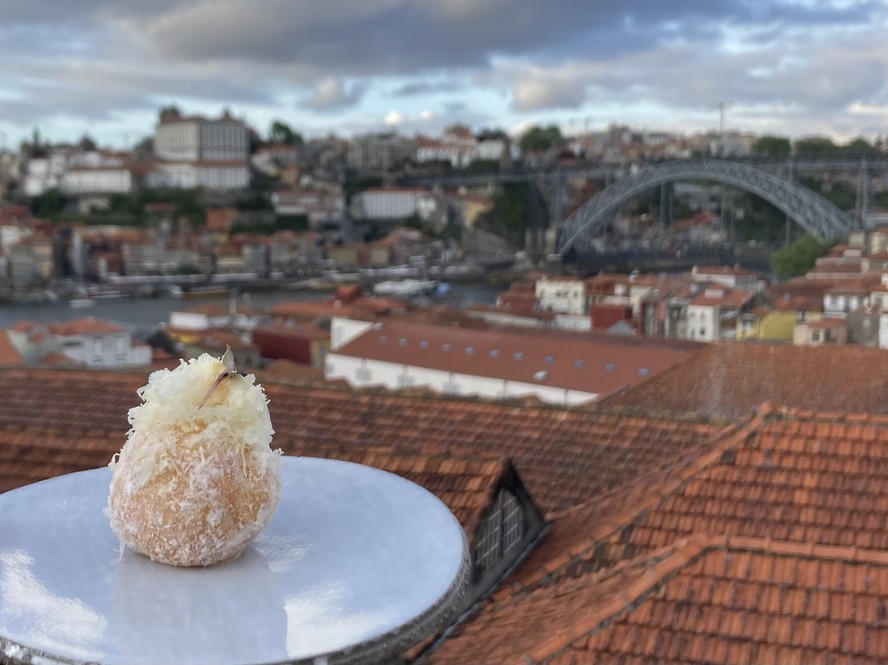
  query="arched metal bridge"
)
[{"x": 809, "y": 210}]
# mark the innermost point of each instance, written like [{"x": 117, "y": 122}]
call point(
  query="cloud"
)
[
  {"x": 330, "y": 94},
  {"x": 394, "y": 118},
  {"x": 539, "y": 91},
  {"x": 93, "y": 59},
  {"x": 418, "y": 88}
]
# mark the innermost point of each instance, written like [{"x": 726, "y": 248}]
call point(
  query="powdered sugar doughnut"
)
[{"x": 196, "y": 480}]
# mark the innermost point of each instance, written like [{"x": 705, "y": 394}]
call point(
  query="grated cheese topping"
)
[{"x": 236, "y": 414}]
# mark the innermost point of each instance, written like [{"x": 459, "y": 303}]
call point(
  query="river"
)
[{"x": 146, "y": 313}]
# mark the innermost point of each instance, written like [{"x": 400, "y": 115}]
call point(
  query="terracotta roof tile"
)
[
  {"x": 465, "y": 484},
  {"x": 601, "y": 365},
  {"x": 563, "y": 455},
  {"x": 813, "y": 483},
  {"x": 9, "y": 354},
  {"x": 730, "y": 379},
  {"x": 700, "y": 600}
]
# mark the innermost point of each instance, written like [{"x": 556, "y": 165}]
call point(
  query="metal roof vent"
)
[
  {"x": 403, "y": 341},
  {"x": 549, "y": 360},
  {"x": 610, "y": 367},
  {"x": 643, "y": 371},
  {"x": 470, "y": 350},
  {"x": 424, "y": 344},
  {"x": 578, "y": 363},
  {"x": 541, "y": 375},
  {"x": 445, "y": 347},
  {"x": 382, "y": 339},
  {"x": 518, "y": 356},
  {"x": 494, "y": 353}
]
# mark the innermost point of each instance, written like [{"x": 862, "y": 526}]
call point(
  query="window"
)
[{"x": 502, "y": 531}]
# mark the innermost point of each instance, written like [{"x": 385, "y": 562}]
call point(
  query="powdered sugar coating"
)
[{"x": 193, "y": 486}]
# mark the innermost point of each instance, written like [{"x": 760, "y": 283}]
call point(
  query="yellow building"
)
[{"x": 764, "y": 323}]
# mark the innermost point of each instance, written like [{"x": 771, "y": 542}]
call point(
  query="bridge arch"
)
[{"x": 809, "y": 210}]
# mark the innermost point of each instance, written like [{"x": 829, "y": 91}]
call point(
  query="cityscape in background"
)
[{"x": 645, "y": 367}]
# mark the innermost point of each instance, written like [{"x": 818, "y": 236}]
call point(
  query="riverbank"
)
[{"x": 150, "y": 312}]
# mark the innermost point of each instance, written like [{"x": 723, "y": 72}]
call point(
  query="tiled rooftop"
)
[
  {"x": 9, "y": 354},
  {"x": 593, "y": 364},
  {"x": 465, "y": 483},
  {"x": 729, "y": 600},
  {"x": 730, "y": 379},
  {"x": 564, "y": 456},
  {"x": 805, "y": 495}
]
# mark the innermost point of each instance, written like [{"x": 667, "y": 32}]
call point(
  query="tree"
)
[
  {"x": 86, "y": 143},
  {"x": 539, "y": 139},
  {"x": 797, "y": 258},
  {"x": 282, "y": 133},
  {"x": 815, "y": 145},
  {"x": 772, "y": 145},
  {"x": 858, "y": 145},
  {"x": 492, "y": 134}
]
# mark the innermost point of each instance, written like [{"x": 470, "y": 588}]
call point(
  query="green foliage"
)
[
  {"x": 540, "y": 139},
  {"x": 482, "y": 166},
  {"x": 510, "y": 205},
  {"x": 815, "y": 145},
  {"x": 281, "y": 132},
  {"x": 253, "y": 200},
  {"x": 772, "y": 145},
  {"x": 797, "y": 258},
  {"x": 354, "y": 184},
  {"x": 859, "y": 144},
  {"x": 840, "y": 194},
  {"x": 490, "y": 134},
  {"x": 761, "y": 221},
  {"x": 49, "y": 205},
  {"x": 282, "y": 223},
  {"x": 291, "y": 223}
]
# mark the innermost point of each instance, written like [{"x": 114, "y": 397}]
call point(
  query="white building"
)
[
  {"x": 320, "y": 205},
  {"x": 195, "y": 138},
  {"x": 216, "y": 315},
  {"x": 712, "y": 313},
  {"x": 197, "y": 152},
  {"x": 102, "y": 179},
  {"x": 563, "y": 295},
  {"x": 44, "y": 173},
  {"x": 87, "y": 341},
  {"x": 379, "y": 152},
  {"x": 734, "y": 277},
  {"x": 191, "y": 175},
  {"x": 387, "y": 203},
  {"x": 553, "y": 367}
]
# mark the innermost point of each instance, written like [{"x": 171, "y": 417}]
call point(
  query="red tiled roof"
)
[
  {"x": 563, "y": 455},
  {"x": 598, "y": 365},
  {"x": 802, "y": 494},
  {"x": 821, "y": 324},
  {"x": 730, "y": 379},
  {"x": 738, "y": 271},
  {"x": 287, "y": 369},
  {"x": 729, "y": 298},
  {"x": 9, "y": 354},
  {"x": 702, "y": 600},
  {"x": 464, "y": 483}
]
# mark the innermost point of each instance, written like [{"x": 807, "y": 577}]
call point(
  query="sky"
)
[{"x": 103, "y": 68}]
